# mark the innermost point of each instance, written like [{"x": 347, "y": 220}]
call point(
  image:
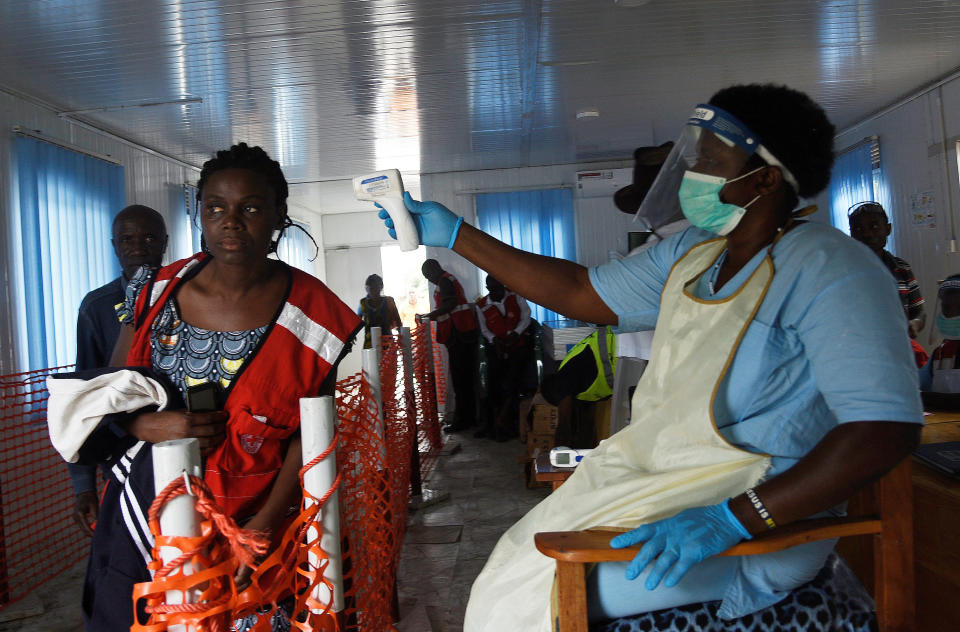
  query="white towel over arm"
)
[{"x": 76, "y": 406}]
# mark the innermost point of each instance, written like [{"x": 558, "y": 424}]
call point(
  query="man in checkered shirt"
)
[{"x": 869, "y": 225}]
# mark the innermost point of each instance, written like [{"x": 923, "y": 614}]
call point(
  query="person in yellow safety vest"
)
[{"x": 604, "y": 366}]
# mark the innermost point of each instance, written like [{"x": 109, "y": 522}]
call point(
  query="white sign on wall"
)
[{"x": 923, "y": 210}]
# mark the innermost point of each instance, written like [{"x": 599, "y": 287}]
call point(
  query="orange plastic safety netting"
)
[
  {"x": 38, "y": 540},
  {"x": 429, "y": 438},
  {"x": 439, "y": 371},
  {"x": 373, "y": 479},
  {"x": 292, "y": 571}
]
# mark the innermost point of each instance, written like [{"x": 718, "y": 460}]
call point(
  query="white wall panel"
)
[
  {"x": 348, "y": 230},
  {"x": 347, "y": 269}
]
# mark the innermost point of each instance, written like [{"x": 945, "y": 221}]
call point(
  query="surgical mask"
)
[
  {"x": 701, "y": 205},
  {"x": 949, "y": 326}
]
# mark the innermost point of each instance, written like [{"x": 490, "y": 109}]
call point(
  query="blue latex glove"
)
[
  {"x": 436, "y": 224},
  {"x": 689, "y": 537}
]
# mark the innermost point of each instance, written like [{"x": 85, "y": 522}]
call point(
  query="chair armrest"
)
[{"x": 593, "y": 545}]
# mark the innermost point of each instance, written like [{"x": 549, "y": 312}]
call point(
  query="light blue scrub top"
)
[{"x": 828, "y": 345}]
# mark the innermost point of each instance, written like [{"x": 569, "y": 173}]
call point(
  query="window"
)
[
  {"x": 538, "y": 221},
  {"x": 64, "y": 205},
  {"x": 188, "y": 233},
  {"x": 857, "y": 177},
  {"x": 296, "y": 248}
]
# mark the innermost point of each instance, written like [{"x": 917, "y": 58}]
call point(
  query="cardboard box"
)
[
  {"x": 523, "y": 423},
  {"x": 538, "y": 443},
  {"x": 601, "y": 419},
  {"x": 545, "y": 419}
]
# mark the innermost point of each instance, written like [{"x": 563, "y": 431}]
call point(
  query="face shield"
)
[{"x": 713, "y": 149}]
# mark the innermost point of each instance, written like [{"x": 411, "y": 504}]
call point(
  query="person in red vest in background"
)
[
  {"x": 457, "y": 330},
  {"x": 504, "y": 322}
]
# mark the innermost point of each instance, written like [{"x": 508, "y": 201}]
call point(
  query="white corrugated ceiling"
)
[{"x": 336, "y": 88}]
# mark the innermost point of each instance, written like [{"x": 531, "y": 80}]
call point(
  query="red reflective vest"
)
[
  {"x": 462, "y": 316},
  {"x": 500, "y": 325},
  {"x": 296, "y": 354}
]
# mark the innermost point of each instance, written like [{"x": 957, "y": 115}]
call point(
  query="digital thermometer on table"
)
[
  {"x": 562, "y": 456},
  {"x": 386, "y": 189}
]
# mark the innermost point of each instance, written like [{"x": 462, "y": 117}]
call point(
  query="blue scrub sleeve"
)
[
  {"x": 631, "y": 286},
  {"x": 855, "y": 337}
]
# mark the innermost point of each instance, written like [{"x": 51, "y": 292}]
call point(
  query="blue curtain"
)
[
  {"x": 854, "y": 180},
  {"x": 66, "y": 202},
  {"x": 189, "y": 243},
  {"x": 296, "y": 248},
  {"x": 536, "y": 221}
]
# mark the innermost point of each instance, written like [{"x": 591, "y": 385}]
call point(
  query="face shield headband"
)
[{"x": 727, "y": 127}]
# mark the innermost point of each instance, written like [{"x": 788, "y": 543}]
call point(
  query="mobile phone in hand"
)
[{"x": 203, "y": 398}]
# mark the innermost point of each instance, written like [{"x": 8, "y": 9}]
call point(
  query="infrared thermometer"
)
[{"x": 386, "y": 189}]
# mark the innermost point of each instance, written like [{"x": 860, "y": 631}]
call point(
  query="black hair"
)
[
  {"x": 865, "y": 208},
  {"x": 374, "y": 279},
  {"x": 243, "y": 156},
  {"x": 790, "y": 125}
]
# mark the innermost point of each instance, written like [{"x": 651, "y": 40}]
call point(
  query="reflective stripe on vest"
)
[{"x": 605, "y": 359}]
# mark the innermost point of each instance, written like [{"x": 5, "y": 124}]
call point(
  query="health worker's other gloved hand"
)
[
  {"x": 436, "y": 224},
  {"x": 679, "y": 542}
]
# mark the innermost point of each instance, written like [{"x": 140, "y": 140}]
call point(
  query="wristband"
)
[
  {"x": 456, "y": 231},
  {"x": 761, "y": 509}
]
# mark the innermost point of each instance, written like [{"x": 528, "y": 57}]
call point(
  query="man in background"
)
[
  {"x": 457, "y": 330},
  {"x": 139, "y": 238},
  {"x": 504, "y": 322},
  {"x": 870, "y": 226}
]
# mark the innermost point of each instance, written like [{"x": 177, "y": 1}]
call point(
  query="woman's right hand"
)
[{"x": 209, "y": 428}]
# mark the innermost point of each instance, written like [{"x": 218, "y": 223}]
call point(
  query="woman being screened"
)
[{"x": 263, "y": 333}]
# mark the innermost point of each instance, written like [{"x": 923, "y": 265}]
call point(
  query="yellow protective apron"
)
[{"x": 671, "y": 457}]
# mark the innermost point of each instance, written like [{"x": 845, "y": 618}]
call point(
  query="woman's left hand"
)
[
  {"x": 679, "y": 542},
  {"x": 242, "y": 578}
]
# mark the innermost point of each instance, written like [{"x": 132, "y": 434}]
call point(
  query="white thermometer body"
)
[{"x": 386, "y": 189}]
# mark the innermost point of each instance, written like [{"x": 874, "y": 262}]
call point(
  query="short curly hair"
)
[
  {"x": 790, "y": 125},
  {"x": 243, "y": 156}
]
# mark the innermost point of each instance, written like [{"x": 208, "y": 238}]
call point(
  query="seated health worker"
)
[
  {"x": 941, "y": 373},
  {"x": 265, "y": 333},
  {"x": 751, "y": 413}
]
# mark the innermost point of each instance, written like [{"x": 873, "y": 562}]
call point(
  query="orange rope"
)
[{"x": 219, "y": 551}]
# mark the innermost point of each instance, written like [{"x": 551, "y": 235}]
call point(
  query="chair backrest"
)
[{"x": 884, "y": 511}]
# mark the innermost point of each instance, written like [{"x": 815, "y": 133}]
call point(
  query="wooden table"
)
[{"x": 936, "y": 524}]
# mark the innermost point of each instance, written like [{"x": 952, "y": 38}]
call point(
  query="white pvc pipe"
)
[
  {"x": 371, "y": 371},
  {"x": 376, "y": 340},
  {"x": 317, "y": 423},
  {"x": 406, "y": 345},
  {"x": 178, "y": 516}
]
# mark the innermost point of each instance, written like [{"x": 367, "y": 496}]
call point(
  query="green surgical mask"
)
[
  {"x": 949, "y": 327},
  {"x": 701, "y": 205}
]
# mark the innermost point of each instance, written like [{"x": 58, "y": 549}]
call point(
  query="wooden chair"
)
[{"x": 890, "y": 523}]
